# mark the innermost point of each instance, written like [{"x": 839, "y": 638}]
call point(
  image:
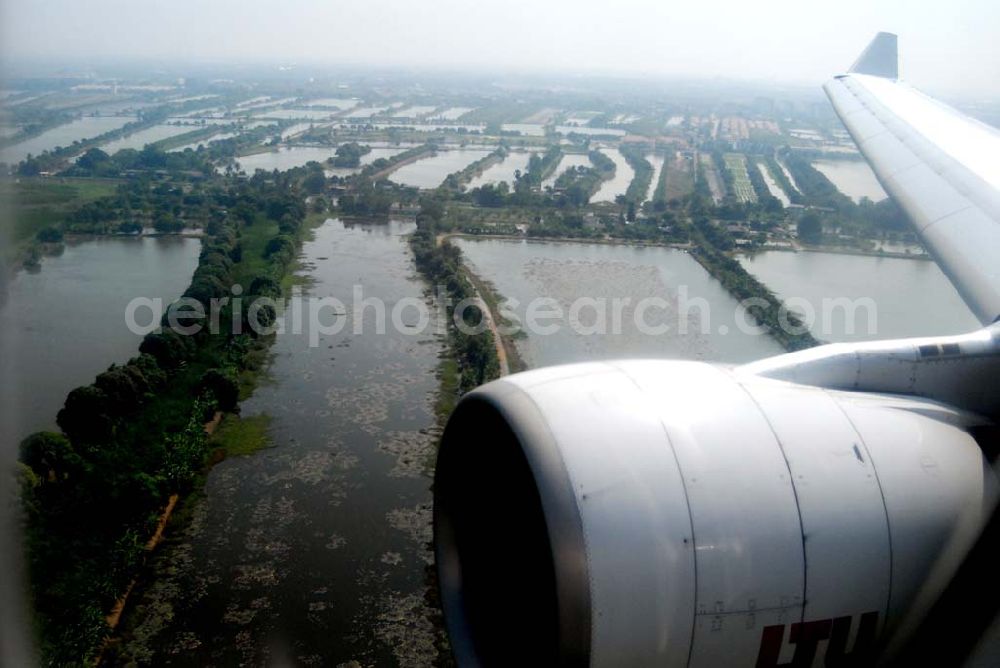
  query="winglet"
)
[{"x": 880, "y": 58}]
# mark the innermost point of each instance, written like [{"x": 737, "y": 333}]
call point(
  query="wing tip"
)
[{"x": 880, "y": 58}]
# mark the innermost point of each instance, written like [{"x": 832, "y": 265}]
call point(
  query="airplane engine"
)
[{"x": 669, "y": 513}]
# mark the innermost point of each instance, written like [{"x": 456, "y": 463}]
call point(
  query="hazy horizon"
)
[{"x": 945, "y": 49}]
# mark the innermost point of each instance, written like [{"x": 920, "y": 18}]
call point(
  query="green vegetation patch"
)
[
  {"x": 29, "y": 206},
  {"x": 637, "y": 189},
  {"x": 92, "y": 495},
  {"x": 448, "y": 392},
  {"x": 240, "y": 436}
]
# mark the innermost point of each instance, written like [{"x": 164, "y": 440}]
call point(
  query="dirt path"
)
[
  {"x": 497, "y": 341},
  {"x": 490, "y": 320},
  {"x": 115, "y": 616}
]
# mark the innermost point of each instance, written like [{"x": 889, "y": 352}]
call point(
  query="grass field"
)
[
  {"x": 678, "y": 176},
  {"x": 29, "y": 205},
  {"x": 254, "y": 239}
]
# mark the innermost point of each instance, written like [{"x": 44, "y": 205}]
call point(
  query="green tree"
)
[
  {"x": 223, "y": 386},
  {"x": 810, "y": 228},
  {"x": 50, "y": 456},
  {"x": 314, "y": 182},
  {"x": 49, "y": 235},
  {"x": 86, "y": 417},
  {"x": 165, "y": 223}
]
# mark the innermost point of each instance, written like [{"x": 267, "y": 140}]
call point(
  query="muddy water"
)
[{"x": 314, "y": 552}]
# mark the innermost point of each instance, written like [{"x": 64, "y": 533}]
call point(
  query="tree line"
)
[
  {"x": 92, "y": 493},
  {"x": 441, "y": 265}
]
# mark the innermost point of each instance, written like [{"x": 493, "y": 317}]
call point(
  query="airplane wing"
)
[{"x": 940, "y": 166}]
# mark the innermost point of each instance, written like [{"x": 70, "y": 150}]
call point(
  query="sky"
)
[{"x": 946, "y": 47}]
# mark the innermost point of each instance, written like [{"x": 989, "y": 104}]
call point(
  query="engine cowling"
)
[{"x": 677, "y": 513}]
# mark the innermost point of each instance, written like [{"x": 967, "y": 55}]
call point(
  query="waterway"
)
[
  {"x": 315, "y": 551},
  {"x": 657, "y": 160}
]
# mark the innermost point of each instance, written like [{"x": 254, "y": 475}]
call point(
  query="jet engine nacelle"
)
[{"x": 664, "y": 513}]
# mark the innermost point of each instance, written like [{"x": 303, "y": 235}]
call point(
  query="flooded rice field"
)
[
  {"x": 315, "y": 551},
  {"x": 568, "y": 160},
  {"x": 593, "y": 132},
  {"x": 502, "y": 171},
  {"x": 431, "y": 172},
  {"x": 366, "y": 112},
  {"x": 424, "y": 127},
  {"x": 377, "y": 153},
  {"x": 698, "y": 313},
  {"x": 896, "y": 297},
  {"x": 452, "y": 113},
  {"x": 854, "y": 178},
  {"x": 618, "y": 184},
  {"x": 150, "y": 135},
  {"x": 337, "y": 102},
  {"x": 289, "y": 157},
  {"x": 772, "y": 186},
  {"x": 296, "y": 129},
  {"x": 205, "y": 142},
  {"x": 527, "y": 129},
  {"x": 296, "y": 114},
  {"x": 788, "y": 175},
  {"x": 416, "y": 111},
  {"x": 62, "y": 325},
  {"x": 194, "y": 121},
  {"x": 62, "y": 136}
]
